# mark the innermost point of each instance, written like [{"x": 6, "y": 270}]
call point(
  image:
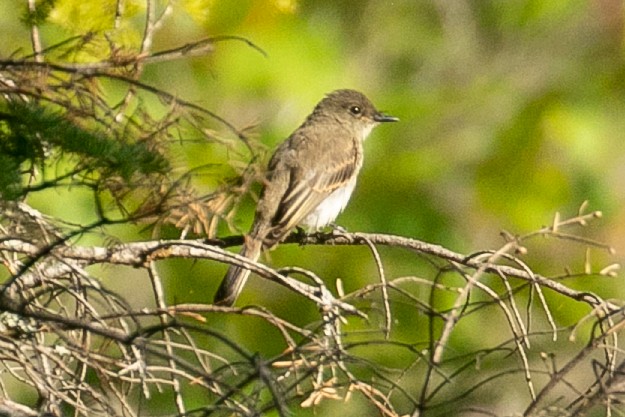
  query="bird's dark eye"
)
[{"x": 356, "y": 110}]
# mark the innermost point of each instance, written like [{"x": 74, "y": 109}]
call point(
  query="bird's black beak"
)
[{"x": 379, "y": 117}]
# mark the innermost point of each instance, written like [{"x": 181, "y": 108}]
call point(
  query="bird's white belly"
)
[{"x": 332, "y": 206}]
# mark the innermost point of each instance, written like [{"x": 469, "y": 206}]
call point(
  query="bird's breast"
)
[{"x": 330, "y": 207}]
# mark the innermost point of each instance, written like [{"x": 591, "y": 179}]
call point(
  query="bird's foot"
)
[{"x": 337, "y": 229}]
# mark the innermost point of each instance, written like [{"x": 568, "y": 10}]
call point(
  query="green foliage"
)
[
  {"x": 10, "y": 178},
  {"x": 40, "y": 14},
  {"x": 84, "y": 16},
  {"x": 30, "y": 133}
]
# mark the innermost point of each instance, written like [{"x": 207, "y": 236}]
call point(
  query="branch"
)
[
  {"x": 469, "y": 261},
  {"x": 139, "y": 254}
]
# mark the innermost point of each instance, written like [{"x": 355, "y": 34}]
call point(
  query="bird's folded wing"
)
[{"x": 306, "y": 190}]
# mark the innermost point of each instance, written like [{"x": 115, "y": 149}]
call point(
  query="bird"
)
[{"x": 309, "y": 179}]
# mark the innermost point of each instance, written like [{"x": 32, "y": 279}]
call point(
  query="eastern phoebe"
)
[{"x": 310, "y": 178}]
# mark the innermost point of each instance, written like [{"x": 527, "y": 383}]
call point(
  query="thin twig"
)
[
  {"x": 34, "y": 32},
  {"x": 384, "y": 287},
  {"x": 159, "y": 296}
]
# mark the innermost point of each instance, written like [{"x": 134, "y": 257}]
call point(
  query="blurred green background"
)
[{"x": 510, "y": 112}]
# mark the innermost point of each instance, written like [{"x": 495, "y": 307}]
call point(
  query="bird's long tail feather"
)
[{"x": 235, "y": 278}]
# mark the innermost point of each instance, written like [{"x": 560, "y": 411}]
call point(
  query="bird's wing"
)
[{"x": 307, "y": 188}]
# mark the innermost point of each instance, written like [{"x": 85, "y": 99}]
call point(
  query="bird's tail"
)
[{"x": 236, "y": 276}]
